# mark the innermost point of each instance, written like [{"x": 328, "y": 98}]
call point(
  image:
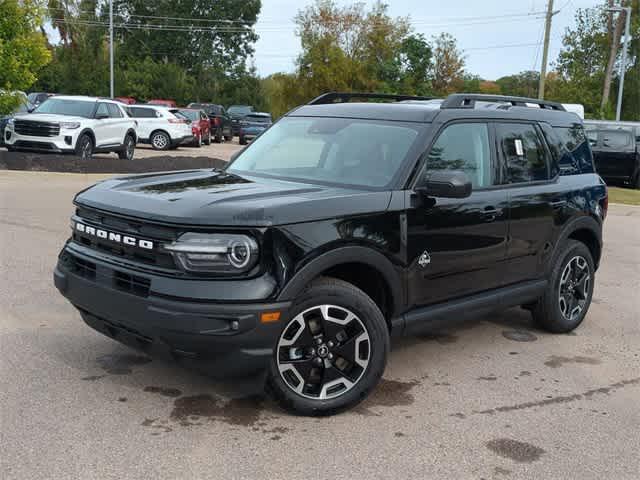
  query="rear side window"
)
[
  {"x": 524, "y": 154},
  {"x": 575, "y": 153},
  {"x": 137, "y": 112},
  {"x": 465, "y": 147},
  {"x": 616, "y": 140}
]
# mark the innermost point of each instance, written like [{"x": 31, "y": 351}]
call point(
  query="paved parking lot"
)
[{"x": 494, "y": 398}]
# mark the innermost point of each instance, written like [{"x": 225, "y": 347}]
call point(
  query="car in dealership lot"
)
[
  {"x": 161, "y": 127},
  {"x": 163, "y": 103},
  {"x": 22, "y": 108},
  {"x": 343, "y": 225},
  {"x": 74, "y": 124},
  {"x": 237, "y": 113},
  {"x": 220, "y": 120},
  {"x": 253, "y": 125},
  {"x": 126, "y": 100},
  {"x": 616, "y": 151},
  {"x": 36, "y": 98},
  {"x": 200, "y": 125}
]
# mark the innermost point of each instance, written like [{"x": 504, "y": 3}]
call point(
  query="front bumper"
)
[
  {"x": 227, "y": 338},
  {"x": 64, "y": 142}
]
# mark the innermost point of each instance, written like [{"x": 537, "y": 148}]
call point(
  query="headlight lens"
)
[
  {"x": 10, "y": 122},
  {"x": 215, "y": 253},
  {"x": 70, "y": 125}
]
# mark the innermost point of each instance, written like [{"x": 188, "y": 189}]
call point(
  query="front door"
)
[
  {"x": 615, "y": 154},
  {"x": 457, "y": 247}
]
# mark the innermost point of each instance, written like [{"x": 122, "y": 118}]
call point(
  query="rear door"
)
[
  {"x": 146, "y": 118},
  {"x": 615, "y": 154},
  {"x": 119, "y": 123},
  {"x": 457, "y": 247},
  {"x": 536, "y": 198}
]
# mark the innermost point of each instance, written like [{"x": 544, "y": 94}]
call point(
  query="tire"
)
[
  {"x": 242, "y": 141},
  {"x": 568, "y": 296},
  {"x": 160, "y": 141},
  {"x": 636, "y": 184},
  {"x": 229, "y": 137},
  {"x": 84, "y": 147},
  {"x": 207, "y": 140},
  {"x": 128, "y": 150},
  {"x": 218, "y": 137},
  {"x": 198, "y": 143},
  {"x": 324, "y": 348}
]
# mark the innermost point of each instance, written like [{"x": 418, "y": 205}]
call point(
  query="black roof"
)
[{"x": 420, "y": 110}]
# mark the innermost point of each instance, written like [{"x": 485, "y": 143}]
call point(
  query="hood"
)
[
  {"x": 48, "y": 117},
  {"x": 216, "y": 198}
]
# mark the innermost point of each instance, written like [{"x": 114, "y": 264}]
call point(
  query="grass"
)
[{"x": 627, "y": 196}]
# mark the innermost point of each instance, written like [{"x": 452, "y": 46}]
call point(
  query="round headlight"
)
[{"x": 239, "y": 253}]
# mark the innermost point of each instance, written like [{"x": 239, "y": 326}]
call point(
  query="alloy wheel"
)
[
  {"x": 574, "y": 287},
  {"x": 130, "y": 148},
  {"x": 85, "y": 152},
  {"x": 160, "y": 141},
  {"x": 323, "y": 352}
]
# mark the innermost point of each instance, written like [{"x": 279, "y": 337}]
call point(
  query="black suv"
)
[
  {"x": 616, "y": 151},
  {"x": 343, "y": 224}
]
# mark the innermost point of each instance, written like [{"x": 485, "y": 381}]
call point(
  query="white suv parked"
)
[
  {"x": 80, "y": 125},
  {"x": 162, "y": 127}
]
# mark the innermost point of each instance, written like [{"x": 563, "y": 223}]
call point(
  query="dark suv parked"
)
[
  {"x": 340, "y": 226},
  {"x": 616, "y": 151},
  {"x": 220, "y": 120}
]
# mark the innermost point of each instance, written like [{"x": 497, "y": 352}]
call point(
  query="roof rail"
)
[
  {"x": 468, "y": 100},
  {"x": 344, "y": 97}
]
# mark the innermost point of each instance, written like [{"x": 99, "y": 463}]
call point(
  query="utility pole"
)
[
  {"x": 545, "y": 50},
  {"x": 623, "y": 64},
  {"x": 111, "y": 90}
]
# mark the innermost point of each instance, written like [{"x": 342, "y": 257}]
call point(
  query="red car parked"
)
[
  {"x": 163, "y": 103},
  {"x": 126, "y": 100},
  {"x": 200, "y": 125}
]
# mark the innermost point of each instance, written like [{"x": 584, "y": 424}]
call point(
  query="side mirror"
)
[{"x": 445, "y": 184}]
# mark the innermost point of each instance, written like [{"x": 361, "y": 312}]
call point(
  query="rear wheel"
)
[
  {"x": 218, "y": 138},
  {"x": 568, "y": 295},
  {"x": 242, "y": 140},
  {"x": 207, "y": 139},
  {"x": 198, "y": 142},
  {"x": 84, "y": 147},
  {"x": 160, "y": 141},
  {"x": 331, "y": 353},
  {"x": 128, "y": 150}
]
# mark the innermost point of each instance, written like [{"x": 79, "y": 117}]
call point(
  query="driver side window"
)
[{"x": 464, "y": 147}]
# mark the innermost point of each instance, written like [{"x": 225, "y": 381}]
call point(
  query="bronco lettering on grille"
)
[{"x": 114, "y": 237}]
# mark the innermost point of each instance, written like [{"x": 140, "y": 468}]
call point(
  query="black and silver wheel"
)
[
  {"x": 84, "y": 147},
  {"x": 218, "y": 137},
  {"x": 160, "y": 141},
  {"x": 199, "y": 140},
  {"x": 207, "y": 140},
  {"x": 128, "y": 150},
  {"x": 332, "y": 352},
  {"x": 568, "y": 295}
]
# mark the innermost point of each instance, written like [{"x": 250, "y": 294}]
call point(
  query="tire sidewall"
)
[
  {"x": 80, "y": 146},
  {"x": 374, "y": 322},
  {"x": 160, "y": 134}
]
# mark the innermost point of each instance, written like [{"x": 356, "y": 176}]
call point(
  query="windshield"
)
[
  {"x": 192, "y": 115},
  {"x": 75, "y": 108},
  {"x": 240, "y": 110},
  {"x": 349, "y": 151}
]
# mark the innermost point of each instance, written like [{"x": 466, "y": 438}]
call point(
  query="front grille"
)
[
  {"x": 33, "y": 128},
  {"x": 83, "y": 268},
  {"x": 131, "y": 284},
  {"x": 112, "y": 223},
  {"x": 34, "y": 145}
]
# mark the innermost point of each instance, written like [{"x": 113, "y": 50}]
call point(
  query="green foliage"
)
[
  {"x": 23, "y": 50},
  {"x": 448, "y": 64},
  {"x": 523, "y": 84}
]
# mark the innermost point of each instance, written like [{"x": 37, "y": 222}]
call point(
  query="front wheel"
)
[
  {"x": 84, "y": 147},
  {"x": 568, "y": 296},
  {"x": 332, "y": 352}
]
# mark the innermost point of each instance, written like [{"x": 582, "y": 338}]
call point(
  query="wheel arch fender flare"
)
[
  {"x": 159, "y": 130},
  {"x": 585, "y": 223},
  {"x": 344, "y": 255},
  {"x": 86, "y": 131},
  {"x": 133, "y": 133}
]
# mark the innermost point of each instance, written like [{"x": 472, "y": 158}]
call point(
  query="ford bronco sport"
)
[{"x": 343, "y": 224}]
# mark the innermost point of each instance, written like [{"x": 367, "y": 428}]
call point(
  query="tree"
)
[
  {"x": 23, "y": 50},
  {"x": 448, "y": 65},
  {"x": 523, "y": 84},
  {"x": 615, "y": 35}
]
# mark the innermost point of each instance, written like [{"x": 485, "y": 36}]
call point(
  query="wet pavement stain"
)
[
  {"x": 458, "y": 415},
  {"x": 550, "y": 400},
  {"x": 501, "y": 471},
  {"x": 122, "y": 399},
  {"x": 121, "y": 364},
  {"x": 244, "y": 411},
  {"x": 514, "y": 450},
  {"x": 556, "y": 361},
  {"x": 388, "y": 393},
  {"x": 399, "y": 434},
  {"x": 164, "y": 391},
  {"x": 489, "y": 378},
  {"x": 524, "y": 373},
  {"x": 441, "y": 338},
  {"x": 92, "y": 378},
  {"x": 519, "y": 336}
]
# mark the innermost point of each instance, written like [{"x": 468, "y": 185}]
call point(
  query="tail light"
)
[{"x": 177, "y": 120}]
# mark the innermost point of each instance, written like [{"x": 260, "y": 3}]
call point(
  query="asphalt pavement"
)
[{"x": 493, "y": 398}]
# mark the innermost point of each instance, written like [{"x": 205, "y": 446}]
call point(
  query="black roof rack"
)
[
  {"x": 468, "y": 100},
  {"x": 344, "y": 97}
]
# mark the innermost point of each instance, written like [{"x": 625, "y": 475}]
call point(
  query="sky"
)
[{"x": 494, "y": 41}]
